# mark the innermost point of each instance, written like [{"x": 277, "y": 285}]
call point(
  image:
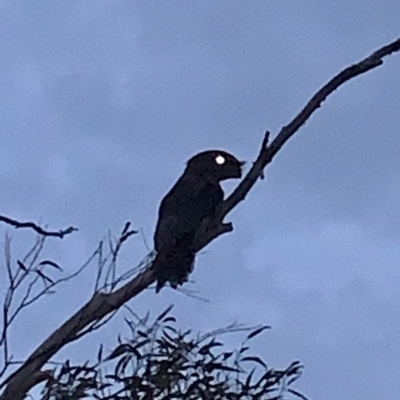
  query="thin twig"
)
[{"x": 18, "y": 224}]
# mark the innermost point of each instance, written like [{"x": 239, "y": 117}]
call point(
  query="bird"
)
[{"x": 194, "y": 197}]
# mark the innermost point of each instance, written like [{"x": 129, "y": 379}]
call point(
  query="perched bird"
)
[{"x": 194, "y": 197}]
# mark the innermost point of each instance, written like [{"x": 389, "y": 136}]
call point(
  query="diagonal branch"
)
[
  {"x": 17, "y": 224},
  {"x": 267, "y": 153},
  {"x": 101, "y": 304}
]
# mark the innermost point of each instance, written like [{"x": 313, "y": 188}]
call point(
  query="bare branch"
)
[
  {"x": 16, "y": 276},
  {"x": 106, "y": 278},
  {"x": 24, "y": 288},
  {"x": 17, "y": 224},
  {"x": 101, "y": 304},
  {"x": 267, "y": 153}
]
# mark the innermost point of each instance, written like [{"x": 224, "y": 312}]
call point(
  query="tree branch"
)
[
  {"x": 101, "y": 304},
  {"x": 17, "y": 224},
  {"x": 267, "y": 153}
]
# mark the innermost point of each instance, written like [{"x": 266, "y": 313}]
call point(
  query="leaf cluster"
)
[{"x": 159, "y": 361}]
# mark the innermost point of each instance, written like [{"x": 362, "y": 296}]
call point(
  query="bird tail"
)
[{"x": 173, "y": 266}]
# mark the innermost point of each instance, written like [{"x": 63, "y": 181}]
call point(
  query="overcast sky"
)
[{"x": 103, "y": 102}]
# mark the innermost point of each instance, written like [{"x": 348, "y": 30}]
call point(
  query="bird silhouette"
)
[{"x": 194, "y": 197}]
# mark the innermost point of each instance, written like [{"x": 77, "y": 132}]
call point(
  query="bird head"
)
[{"x": 216, "y": 165}]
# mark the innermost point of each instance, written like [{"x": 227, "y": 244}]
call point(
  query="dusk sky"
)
[{"x": 103, "y": 102}]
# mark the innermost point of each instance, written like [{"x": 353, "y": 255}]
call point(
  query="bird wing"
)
[{"x": 183, "y": 209}]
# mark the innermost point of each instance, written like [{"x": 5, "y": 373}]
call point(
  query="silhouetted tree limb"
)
[
  {"x": 38, "y": 229},
  {"x": 29, "y": 278},
  {"x": 101, "y": 304},
  {"x": 268, "y": 152}
]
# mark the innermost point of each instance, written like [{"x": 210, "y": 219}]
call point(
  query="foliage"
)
[{"x": 161, "y": 362}]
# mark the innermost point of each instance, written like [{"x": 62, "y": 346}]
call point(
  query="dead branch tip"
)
[{"x": 38, "y": 229}]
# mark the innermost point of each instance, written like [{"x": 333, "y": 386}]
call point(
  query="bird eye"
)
[{"x": 220, "y": 159}]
